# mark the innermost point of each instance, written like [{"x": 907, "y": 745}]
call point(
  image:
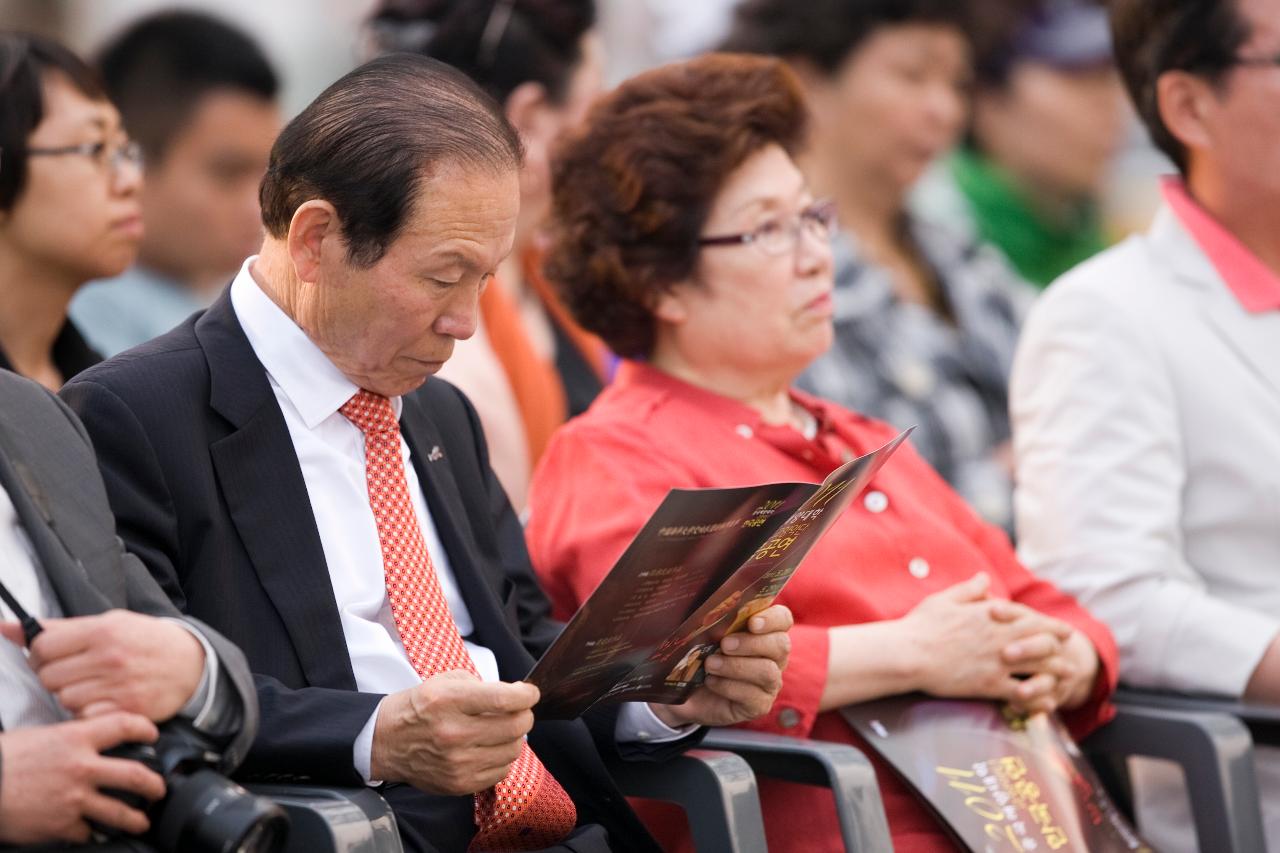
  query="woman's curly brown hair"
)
[{"x": 633, "y": 187}]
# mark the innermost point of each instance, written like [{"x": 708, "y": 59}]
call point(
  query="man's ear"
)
[
  {"x": 1184, "y": 101},
  {"x": 314, "y": 230}
]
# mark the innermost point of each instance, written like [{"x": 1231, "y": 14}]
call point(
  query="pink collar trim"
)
[{"x": 1254, "y": 285}]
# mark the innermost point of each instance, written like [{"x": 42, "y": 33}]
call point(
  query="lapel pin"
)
[{"x": 436, "y": 454}]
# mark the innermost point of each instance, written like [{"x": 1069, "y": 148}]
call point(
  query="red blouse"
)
[{"x": 907, "y": 537}]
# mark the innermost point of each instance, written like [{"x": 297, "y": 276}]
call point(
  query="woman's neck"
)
[
  {"x": 769, "y": 396},
  {"x": 33, "y": 310}
]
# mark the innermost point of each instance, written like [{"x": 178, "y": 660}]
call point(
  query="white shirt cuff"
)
[
  {"x": 201, "y": 702},
  {"x": 637, "y": 723},
  {"x": 362, "y": 751}
]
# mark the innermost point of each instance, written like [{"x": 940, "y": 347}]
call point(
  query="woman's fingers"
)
[{"x": 1037, "y": 647}]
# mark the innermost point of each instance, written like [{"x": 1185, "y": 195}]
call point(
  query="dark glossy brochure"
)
[
  {"x": 705, "y": 562},
  {"x": 997, "y": 781}
]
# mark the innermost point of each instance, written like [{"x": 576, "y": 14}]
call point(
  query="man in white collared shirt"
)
[
  {"x": 309, "y": 390},
  {"x": 237, "y": 471}
]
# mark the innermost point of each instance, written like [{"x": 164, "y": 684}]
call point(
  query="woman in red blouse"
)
[{"x": 688, "y": 241}]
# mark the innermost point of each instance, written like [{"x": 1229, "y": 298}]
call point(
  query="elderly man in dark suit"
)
[
  {"x": 283, "y": 470},
  {"x": 98, "y": 675}
]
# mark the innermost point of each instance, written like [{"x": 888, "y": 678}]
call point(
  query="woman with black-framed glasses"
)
[
  {"x": 687, "y": 237},
  {"x": 69, "y": 203},
  {"x": 927, "y": 316}
]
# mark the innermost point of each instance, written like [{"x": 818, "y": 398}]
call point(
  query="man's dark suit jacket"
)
[
  {"x": 208, "y": 491},
  {"x": 47, "y": 468}
]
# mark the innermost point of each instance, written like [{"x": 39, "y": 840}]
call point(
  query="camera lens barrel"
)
[{"x": 207, "y": 813}]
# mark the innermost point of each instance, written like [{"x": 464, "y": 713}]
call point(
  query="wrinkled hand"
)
[
  {"x": 970, "y": 645},
  {"x": 452, "y": 734},
  {"x": 115, "y": 661},
  {"x": 50, "y": 778},
  {"x": 743, "y": 677}
]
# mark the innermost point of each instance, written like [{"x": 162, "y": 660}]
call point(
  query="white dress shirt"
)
[
  {"x": 24, "y": 701},
  {"x": 330, "y": 450}
]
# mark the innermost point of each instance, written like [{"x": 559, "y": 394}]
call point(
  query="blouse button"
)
[
  {"x": 876, "y": 501},
  {"x": 744, "y": 431},
  {"x": 919, "y": 567},
  {"x": 788, "y": 718}
]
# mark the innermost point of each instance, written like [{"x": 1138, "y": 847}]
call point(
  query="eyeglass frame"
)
[
  {"x": 129, "y": 151},
  {"x": 824, "y": 207}
]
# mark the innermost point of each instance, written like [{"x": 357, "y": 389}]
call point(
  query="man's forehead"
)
[
  {"x": 450, "y": 257},
  {"x": 456, "y": 175},
  {"x": 468, "y": 243},
  {"x": 463, "y": 213}
]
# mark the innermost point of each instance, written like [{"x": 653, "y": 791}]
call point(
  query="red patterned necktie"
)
[{"x": 528, "y": 809}]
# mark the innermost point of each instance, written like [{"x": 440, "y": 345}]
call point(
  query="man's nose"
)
[{"x": 460, "y": 316}]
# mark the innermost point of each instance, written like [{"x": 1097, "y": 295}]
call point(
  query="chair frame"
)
[
  {"x": 840, "y": 767},
  {"x": 716, "y": 789},
  {"x": 1214, "y": 750}
]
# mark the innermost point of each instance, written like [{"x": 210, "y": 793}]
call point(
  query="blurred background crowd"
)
[
  {"x": 1006, "y": 149},
  {"x": 311, "y": 43}
]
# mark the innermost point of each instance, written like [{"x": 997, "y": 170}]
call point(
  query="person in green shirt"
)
[{"x": 1048, "y": 117}]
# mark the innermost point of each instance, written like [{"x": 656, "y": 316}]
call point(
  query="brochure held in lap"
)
[
  {"x": 705, "y": 563},
  {"x": 998, "y": 782}
]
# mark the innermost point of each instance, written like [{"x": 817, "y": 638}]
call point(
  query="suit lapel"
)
[
  {"x": 1254, "y": 338},
  {"x": 477, "y": 577},
  {"x": 77, "y": 594},
  {"x": 266, "y": 496}
]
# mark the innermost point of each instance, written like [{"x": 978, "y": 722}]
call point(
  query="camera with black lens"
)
[{"x": 202, "y": 810}]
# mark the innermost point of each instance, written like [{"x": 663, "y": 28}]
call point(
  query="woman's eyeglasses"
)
[
  {"x": 782, "y": 236},
  {"x": 110, "y": 157}
]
